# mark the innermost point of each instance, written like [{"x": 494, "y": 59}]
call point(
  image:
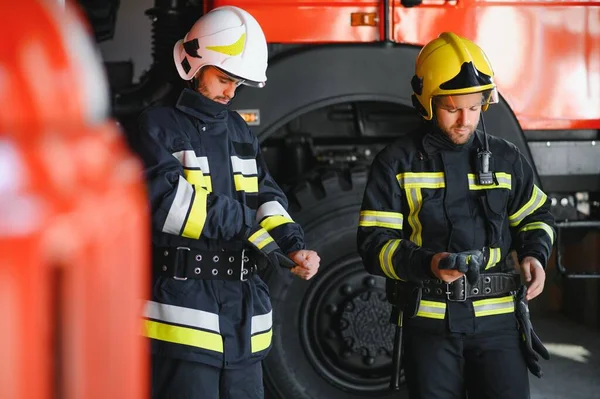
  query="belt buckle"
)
[
  {"x": 463, "y": 295},
  {"x": 244, "y": 270},
  {"x": 177, "y": 264}
]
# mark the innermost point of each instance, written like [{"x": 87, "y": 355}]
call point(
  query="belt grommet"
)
[
  {"x": 229, "y": 272},
  {"x": 215, "y": 272},
  {"x": 438, "y": 281},
  {"x": 198, "y": 258},
  {"x": 166, "y": 253},
  {"x": 438, "y": 291},
  {"x": 197, "y": 270},
  {"x": 475, "y": 291},
  {"x": 487, "y": 280},
  {"x": 164, "y": 268},
  {"x": 427, "y": 290},
  {"x": 487, "y": 290},
  {"x": 231, "y": 259},
  {"x": 215, "y": 258}
]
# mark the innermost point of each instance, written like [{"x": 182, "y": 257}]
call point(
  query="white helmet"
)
[{"x": 228, "y": 38}]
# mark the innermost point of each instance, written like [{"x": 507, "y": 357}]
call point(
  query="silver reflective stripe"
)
[
  {"x": 432, "y": 309},
  {"x": 538, "y": 198},
  {"x": 189, "y": 160},
  {"x": 382, "y": 219},
  {"x": 494, "y": 257},
  {"x": 504, "y": 181},
  {"x": 203, "y": 162},
  {"x": 262, "y": 239},
  {"x": 244, "y": 166},
  {"x": 494, "y": 306},
  {"x": 183, "y": 316},
  {"x": 179, "y": 208},
  {"x": 386, "y": 255},
  {"x": 271, "y": 208},
  {"x": 262, "y": 323},
  {"x": 421, "y": 180},
  {"x": 541, "y": 226},
  {"x": 414, "y": 197}
]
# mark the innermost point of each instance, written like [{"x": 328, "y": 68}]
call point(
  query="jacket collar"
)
[{"x": 198, "y": 106}]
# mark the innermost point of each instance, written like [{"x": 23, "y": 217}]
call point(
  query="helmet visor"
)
[
  {"x": 468, "y": 100},
  {"x": 242, "y": 81}
]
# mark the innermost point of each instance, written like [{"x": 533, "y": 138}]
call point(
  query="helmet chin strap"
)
[{"x": 194, "y": 83}]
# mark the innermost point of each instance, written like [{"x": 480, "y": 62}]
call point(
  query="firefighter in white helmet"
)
[{"x": 218, "y": 216}]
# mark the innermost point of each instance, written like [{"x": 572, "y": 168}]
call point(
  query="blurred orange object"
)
[{"x": 73, "y": 218}]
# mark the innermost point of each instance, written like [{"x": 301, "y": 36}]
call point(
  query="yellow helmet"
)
[{"x": 451, "y": 65}]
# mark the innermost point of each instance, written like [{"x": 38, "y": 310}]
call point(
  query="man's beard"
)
[
  {"x": 204, "y": 91},
  {"x": 457, "y": 138}
]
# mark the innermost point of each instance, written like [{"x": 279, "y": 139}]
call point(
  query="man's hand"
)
[
  {"x": 447, "y": 275},
  {"x": 307, "y": 262},
  {"x": 534, "y": 275}
]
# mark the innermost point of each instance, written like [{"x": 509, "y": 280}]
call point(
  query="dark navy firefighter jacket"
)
[
  {"x": 208, "y": 185},
  {"x": 423, "y": 197}
]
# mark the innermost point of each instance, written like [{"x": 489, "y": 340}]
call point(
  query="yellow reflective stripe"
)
[
  {"x": 260, "y": 342},
  {"x": 432, "y": 310},
  {"x": 197, "y": 178},
  {"x": 415, "y": 202},
  {"x": 274, "y": 221},
  {"x": 539, "y": 225},
  {"x": 385, "y": 259},
  {"x": 231, "y": 49},
  {"x": 260, "y": 238},
  {"x": 504, "y": 181},
  {"x": 183, "y": 336},
  {"x": 391, "y": 220},
  {"x": 410, "y": 180},
  {"x": 247, "y": 184},
  {"x": 494, "y": 306},
  {"x": 538, "y": 198},
  {"x": 495, "y": 254},
  {"x": 197, "y": 217}
]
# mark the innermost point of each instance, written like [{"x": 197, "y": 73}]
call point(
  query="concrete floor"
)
[{"x": 573, "y": 371}]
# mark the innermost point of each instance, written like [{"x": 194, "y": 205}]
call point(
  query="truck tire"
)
[{"x": 332, "y": 337}]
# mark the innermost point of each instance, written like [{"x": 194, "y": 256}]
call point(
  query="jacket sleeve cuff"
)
[
  {"x": 421, "y": 263},
  {"x": 535, "y": 253}
]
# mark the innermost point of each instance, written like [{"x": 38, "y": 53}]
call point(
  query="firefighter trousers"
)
[
  {"x": 181, "y": 379},
  {"x": 450, "y": 365}
]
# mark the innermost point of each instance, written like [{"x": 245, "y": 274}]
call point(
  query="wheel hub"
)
[
  {"x": 365, "y": 325},
  {"x": 346, "y": 329}
]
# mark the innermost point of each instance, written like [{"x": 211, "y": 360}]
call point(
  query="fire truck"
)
[{"x": 338, "y": 91}]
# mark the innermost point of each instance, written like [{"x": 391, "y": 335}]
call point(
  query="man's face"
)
[
  {"x": 216, "y": 85},
  {"x": 457, "y": 116}
]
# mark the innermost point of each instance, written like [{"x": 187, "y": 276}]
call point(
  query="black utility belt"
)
[
  {"x": 489, "y": 284},
  {"x": 182, "y": 263}
]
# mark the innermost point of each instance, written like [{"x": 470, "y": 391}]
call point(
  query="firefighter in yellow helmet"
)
[
  {"x": 217, "y": 215},
  {"x": 443, "y": 208}
]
